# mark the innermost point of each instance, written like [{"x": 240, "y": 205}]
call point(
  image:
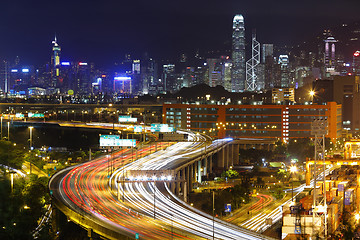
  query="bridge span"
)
[{"x": 117, "y": 208}]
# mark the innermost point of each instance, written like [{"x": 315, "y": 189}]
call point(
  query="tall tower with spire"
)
[
  {"x": 252, "y": 66},
  {"x": 238, "y": 54},
  {"x": 55, "y": 62}
]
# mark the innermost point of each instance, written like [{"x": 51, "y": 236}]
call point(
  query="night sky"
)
[{"x": 103, "y": 31}]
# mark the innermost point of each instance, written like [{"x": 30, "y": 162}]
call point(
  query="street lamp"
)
[
  {"x": 312, "y": 94},
  {"x": 213, "y": 212},
  {"x": 31, "y": 128},
  {"x": 1, "y": 126},
  {"x": 357, "y": 216},
  {"x": 293, "y": 169},
  {"x": 8, "y": 125}
]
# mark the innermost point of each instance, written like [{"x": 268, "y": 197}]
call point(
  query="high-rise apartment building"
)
[{"x": 238, "y": 54}]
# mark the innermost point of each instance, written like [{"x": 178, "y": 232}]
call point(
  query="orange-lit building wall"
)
[{"x": 253, "y": 121}]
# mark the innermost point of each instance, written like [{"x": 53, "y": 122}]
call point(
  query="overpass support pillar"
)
[
  {"x": 205, "y": 166},
  {"x": 191, "y": 177},
  {"x": 199, "y": 171},
  {"x": 231, "y": 159},
  {"x": 226, "y": 156},
  {"x": 178, "y": 179},
  {"x": 188, "y": 178},
  {"x": 184, "y": 184},
  {"x": 173, "y": 184},
  {"x": 235, "y": 154},
  {"x": 195, "y": 165},
  {"x": 220, "y": 159}
]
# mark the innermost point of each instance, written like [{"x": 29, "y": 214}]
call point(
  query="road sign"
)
[
  {"x": 157, "y": 127},
  {"x": 127, "y": 118},
  {"x": 35, "y": 115},
  {"x": 115, "y": 141},
  {"x": 138, "y": 129},
  {"x": 228, "y": 207}
]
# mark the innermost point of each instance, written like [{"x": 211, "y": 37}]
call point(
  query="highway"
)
[
  {"x": 258, "y": 222},
  {"x": 142, "y": 205}
]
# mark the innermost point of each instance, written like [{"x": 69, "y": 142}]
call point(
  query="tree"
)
[
  {"x": 230, "y": 174},
  {"x": 278, "y": 192},
  {"x": 254, "y": 156},
  {"x": 240, "y": 194},
  {"x": 280, "y": 148},
  {"x": 260, "y": 182},
  {"x": 301, "y": 148},
  {"x": 10, "y": 155}
]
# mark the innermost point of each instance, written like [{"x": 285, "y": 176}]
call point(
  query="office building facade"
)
[{"x": 253, "y": 121}]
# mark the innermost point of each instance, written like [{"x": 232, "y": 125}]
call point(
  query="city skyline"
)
[{"x": 103, "y": 33}]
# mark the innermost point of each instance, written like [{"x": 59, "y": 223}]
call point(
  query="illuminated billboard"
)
[
  {"x": 138, "y": 128},
  {"x": 127, "y": 119},
  {"x": 116, "y": 141}
]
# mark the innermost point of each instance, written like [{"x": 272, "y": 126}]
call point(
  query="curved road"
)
[{"x": 144, "y": 205}]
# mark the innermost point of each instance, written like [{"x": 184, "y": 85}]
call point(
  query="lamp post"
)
[
  {"x": 213, "y": 203},
  {"x": 312, "y": 94},
  {"x": 12, "y": 180},
  {"x": 31, "y": 128},
  {"x": 293, "y": 169},
  {"x": 1, "y": 126},
  {"x": 8, "y": 125}
]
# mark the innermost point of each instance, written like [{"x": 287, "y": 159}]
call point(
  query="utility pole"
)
[
  {"x": 154, "y": 199},
  {"x": 1, "y": 127},
  {"x": 213, "y": 195}
]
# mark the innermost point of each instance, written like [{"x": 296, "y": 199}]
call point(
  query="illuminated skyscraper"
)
[
  {"x": 356, "y": 63},
  {"x": 252, "y": 65},
  {"x": 55, "y": 62},
  {"x": 284, "y": 70},
  {"x": 330, "y": 61},
  {"x": 238, "y": 54}
]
